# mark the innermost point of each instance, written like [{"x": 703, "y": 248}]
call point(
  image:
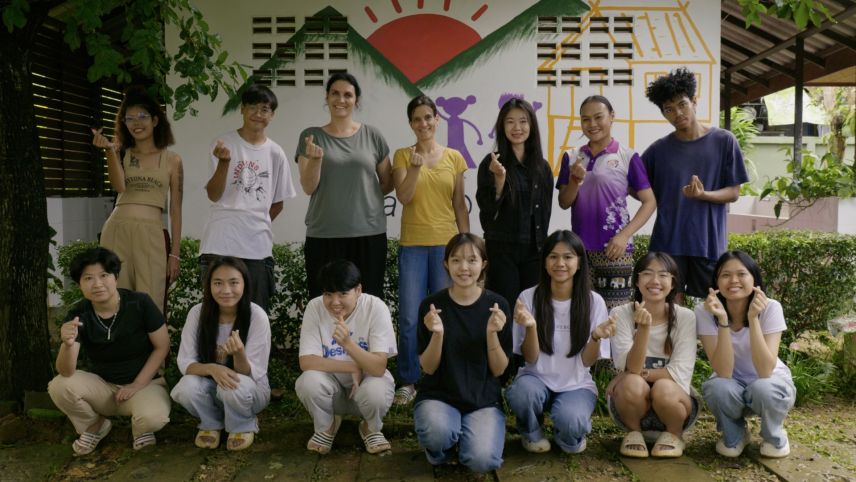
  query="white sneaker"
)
[
  {"x": 580, "y": 448},
  {"x": 538, "y": 447},
  {"x": 732, "y": 452},
  {"x": 770, "y": 450}
]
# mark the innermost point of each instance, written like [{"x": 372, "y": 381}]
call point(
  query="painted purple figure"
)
[
  {"x": 455, "y": 106},
  {"x": 505, "y": 98}
]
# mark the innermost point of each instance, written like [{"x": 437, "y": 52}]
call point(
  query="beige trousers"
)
[{"x": 139, "y": 244}]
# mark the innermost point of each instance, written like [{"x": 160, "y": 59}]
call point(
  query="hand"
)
[
  {"x": 101, "y": 141},
  {"x": 605, "y": 329},
  {"x": 497, "y": 168},
  {"x": 578, "y": 172},
  {"x": 221, "y": 152},
  {"x": 313, "y": 150},
  {"x": 416, "y": 159},
  {"x": 356, "y": 378},
  {"x": 234, "y": 345},
  {"x": 68, "y": 331},
  {"x": 714, "y": 306},
  {"x": 224, "y": 376},
  {"x": 173, "y": 266},
  {"x": 759, "y": 303},
  {"x": 128, "y": 391},
  {"x": 695, "y": 189},
  {"x": 522, "y": 316},
  {"x": 496, "y": 320},
  {"x": 617, "y": 246},
  {"x": 341, "y": 333},
  {"x": 641, "y": 316},
  {"x": 432, "y": 320}
]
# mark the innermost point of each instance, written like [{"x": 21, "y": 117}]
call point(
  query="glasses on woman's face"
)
[
  {"x": 647, "y": 274},
  {"x": 140, "y": 117}
]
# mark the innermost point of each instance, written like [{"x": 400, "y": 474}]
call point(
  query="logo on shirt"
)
[
  {"x": 336, "y": 350},
  {"x": 248, "y": 180}
]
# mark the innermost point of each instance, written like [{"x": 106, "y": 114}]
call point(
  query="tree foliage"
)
[{"x": 801, "y": 12}]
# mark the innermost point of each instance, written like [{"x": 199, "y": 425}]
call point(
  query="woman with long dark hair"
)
[
  {"x": 741, "y": 330},
  {"x": 655, "y": 349},
  {"x": 143, "y": 178},
  {"x": 515, "y": 198},
  {"x": 559, "y": 326},
  {"x": 223, "y": 356}
]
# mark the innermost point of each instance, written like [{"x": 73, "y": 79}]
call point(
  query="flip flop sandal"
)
[
  {"x": 207, "y": 439},
  {"x": 87, "y": 441},
  {"x": 633, "y": 445},
  {"x": 375, "y": 442},
  {"x": 322, "y": 442},
  {"x": 239, "y": 440},
  {"x": 144, "y": 440},
  {"x": 668, "y": 446}
]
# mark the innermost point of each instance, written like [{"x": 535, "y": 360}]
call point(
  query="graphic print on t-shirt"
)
[
  {"x": 335, "y": 350},
  {"x": 247, "y": 179}
]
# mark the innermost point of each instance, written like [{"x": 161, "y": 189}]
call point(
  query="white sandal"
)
[{"x": 87, "y": 441}]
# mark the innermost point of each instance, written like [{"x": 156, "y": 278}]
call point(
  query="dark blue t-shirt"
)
[{"x": 684, "y": 226}]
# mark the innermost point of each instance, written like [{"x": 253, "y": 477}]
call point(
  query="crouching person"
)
[
  {"x": 345, "y": 340},
  {"x": 123, "y": 335},
  {"x": 225, "y": 344}
]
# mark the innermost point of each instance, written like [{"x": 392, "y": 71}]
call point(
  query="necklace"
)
[{"x": 109, "y": 329}]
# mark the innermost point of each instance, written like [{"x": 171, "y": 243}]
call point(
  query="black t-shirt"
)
[
  {"x": 120, "y": 359},
  {"x": 463, "y": 379}
]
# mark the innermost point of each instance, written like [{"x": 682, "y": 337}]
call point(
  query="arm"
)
[
  {"x": 429, "y": 359},
  {"x": 321, "y": 364},
  {"x": 176, "y": 197},
  {"x": 530, "y": 347},
  {"x": 496, "y": 358},
  {"x": 309, "y": 165},
  {"x": 486, "y": 195},
  {"x": 591, "y": 350},
  {"x": 217, "y": 184},
  {"x": 720, "y": 352},
  {"x": 568, "y": 194},
  {"x": 275, "y": 209},
  {"x": 115, "y": 173},
  {"x": 405, "y": 175},
  {"x": 459, "y": 204},
  {"x": 636, "y": 355},
  {"x": 160, "y": 342},
  {"x": 372, "y": 363},
  {"x": 725, "y": 195},
  {"x": 384, "y": 175},
  {"x": 618, "y": 244},
  {"x": 764, "y": 347}
]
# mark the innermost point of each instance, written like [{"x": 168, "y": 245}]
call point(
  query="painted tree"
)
[{"x": 203, "y": 70}]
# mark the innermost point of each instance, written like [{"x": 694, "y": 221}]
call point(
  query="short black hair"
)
[
  {"x": 97, "y": 255},
  {"x": 347, "y": 78},
  {"x": 680, "y": 82},
  {"x": 338, "y": 276},
  {"x": 259, "y": 94}
]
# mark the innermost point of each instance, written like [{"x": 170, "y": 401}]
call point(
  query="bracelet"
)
[
  {"x": 174, "y": 256},
  {"x": 594, "y": 338}
]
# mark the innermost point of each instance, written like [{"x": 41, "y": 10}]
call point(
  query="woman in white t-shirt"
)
[
  {"x": 654, "y": 348},
  {"x": 559, "y": 344},
  {"x": 223, "y": 356},
  {"x": 741, "y": 329}
]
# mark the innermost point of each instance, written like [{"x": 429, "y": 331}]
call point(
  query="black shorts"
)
[{"x": 696, "y": 274}]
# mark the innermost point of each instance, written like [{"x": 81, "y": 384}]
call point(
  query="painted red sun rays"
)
[{"x": 418, "y": 44}]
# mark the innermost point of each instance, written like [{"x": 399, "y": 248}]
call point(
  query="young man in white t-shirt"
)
[
  {"x": 250, "y": 180},
  {"x": 345, "y": 341}
]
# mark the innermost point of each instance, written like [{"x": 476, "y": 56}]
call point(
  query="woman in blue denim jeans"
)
[
  {"x": 464, "y": 345},
  {"x": 429, "y": 182},
  {"x": 741, "y": 330}
]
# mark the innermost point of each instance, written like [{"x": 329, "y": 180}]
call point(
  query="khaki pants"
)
[
  {"x": 85, "y": 396},
  {"x": 139, "y": 244}
]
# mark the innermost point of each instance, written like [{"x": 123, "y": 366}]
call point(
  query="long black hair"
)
[
  {"x": 533, "y": 156},
  {"x": 751, "y": 266},
  {"x": 672, "y": 267},
  {"x": 542, "y": 299},
  {"x": 209, "y": 316}
]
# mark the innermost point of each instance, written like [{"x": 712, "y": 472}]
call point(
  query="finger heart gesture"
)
[
  {"x": 496, "y": 320},
  {"x": 522, "y": 316},
  {"x": 432, "y": 320}
]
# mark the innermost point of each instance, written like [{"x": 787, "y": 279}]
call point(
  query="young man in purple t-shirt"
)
[{"x": 695, "y": 172}]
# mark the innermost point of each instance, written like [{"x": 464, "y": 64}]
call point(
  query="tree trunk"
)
[{"x": 24, "y": 231}]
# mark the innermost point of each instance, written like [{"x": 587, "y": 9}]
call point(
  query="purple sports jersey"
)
[{"x": 600, "y": 209}]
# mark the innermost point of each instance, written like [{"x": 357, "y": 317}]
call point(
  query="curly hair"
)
[
  {"x": 138, "y": 96},
  {"x": 678, "y": 83}
]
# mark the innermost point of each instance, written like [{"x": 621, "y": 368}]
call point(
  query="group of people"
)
[{"x": 520, "y": 310}]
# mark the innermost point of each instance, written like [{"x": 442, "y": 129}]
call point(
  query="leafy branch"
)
[{"x": 815, "y": 179}]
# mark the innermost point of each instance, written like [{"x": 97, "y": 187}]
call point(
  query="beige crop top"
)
[{"x": 145, "y": 186}]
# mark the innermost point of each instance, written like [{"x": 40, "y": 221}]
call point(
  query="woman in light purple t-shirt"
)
[
  {"x": 595, "y": 186},
  {"x": 740, "y": 329}
]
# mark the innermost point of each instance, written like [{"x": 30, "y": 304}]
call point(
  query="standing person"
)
[
  {"x": 515, "y": 196},
  {"x": 695, "y": 172},
  {"x": 345, "y": 341},
  {"x": 344, "y": 167},
  {"x": 464, "y": 346},
  {"x": 223, "y": 357},
  {"x": 123, "y": 336},
  {"x": 250, "y": 180},
  {"x": 429, "y": 182},
  {"x": 559, "y": 344},
  {"x": 142, "y": 179},
  {"x": 741, "y": 330},
  {"x": 595, "y": 187},
  {"x": 655, "y": 347}
]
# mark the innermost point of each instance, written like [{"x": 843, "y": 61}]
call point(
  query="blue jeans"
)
[
  {"x": 217, "y": 407},
  {"x": 420, "y": 273},
  {"x": 480, "y": 434},
  {"x": 571, "y": 411},
  {"x": 729, "y": 400}
]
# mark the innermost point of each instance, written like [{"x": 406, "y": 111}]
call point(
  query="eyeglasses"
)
[
  {"x": 141, "y": 117},
  {"x": 660, "y": 275},
  {"x": 259, "y": 109}
]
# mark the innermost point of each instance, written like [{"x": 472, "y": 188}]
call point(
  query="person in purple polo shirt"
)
[
  {"x": 695, "y": 172},
  {"x": 594, "y": 182}
]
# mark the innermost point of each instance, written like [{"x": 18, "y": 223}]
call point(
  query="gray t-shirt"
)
[{"x": 348, "y": 202}]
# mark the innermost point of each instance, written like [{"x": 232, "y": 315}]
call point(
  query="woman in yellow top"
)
[
  {"x": 429, "y": 182},
  {"x": 142, "y": 178}
]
